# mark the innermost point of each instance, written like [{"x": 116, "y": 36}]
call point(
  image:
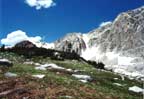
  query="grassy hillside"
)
[{"x": 60, "y": 84}]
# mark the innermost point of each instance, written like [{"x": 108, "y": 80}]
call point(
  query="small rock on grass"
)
[
  {"x": 39, "y": 76},
  {"x": 9, "y": 74}
]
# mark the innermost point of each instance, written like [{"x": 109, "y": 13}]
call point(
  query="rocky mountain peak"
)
[
  {"x": 72, "y": 42},
  {"x": 120, "y": 43},
  {"x": 25, "y": 44}
]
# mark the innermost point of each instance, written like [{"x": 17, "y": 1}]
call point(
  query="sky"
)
[{"x": 50, "y": 20}]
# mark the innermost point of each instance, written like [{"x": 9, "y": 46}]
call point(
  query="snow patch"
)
[
  {"x": 51, "y": 66},
  {"x": 136, "y": 89},
  {"x": 118, "y": 84},
  {"x": 37, "y": 64},
  {"x": 9, "y": 74},
  {"x": 82, "y": 78},
  {"x": 115, "y": 78},
  {"x": 44, "y": 45},
  {"x": 86, "y": 39},
  {"x": 91, "y": 54},
  {"x": 84, "y": 81},
  {"x": 70, "y": 70},
  {"x": 29, "y": 63},
  {"x": 40, "y": 68},
  {"x": 115, "y": 62},
  {"x": 4, "y": 60},
  {"x": 39, "y": 76}
]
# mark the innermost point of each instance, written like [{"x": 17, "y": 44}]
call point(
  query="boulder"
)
[{"x": 5, "y": 63}]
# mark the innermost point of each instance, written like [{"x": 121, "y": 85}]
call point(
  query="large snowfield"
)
[{"x": 114, "y": 61}]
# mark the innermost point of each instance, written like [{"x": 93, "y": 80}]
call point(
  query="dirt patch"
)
[
  {"x": 18, "y": 88},
  {"x": 32, "y": 88}
]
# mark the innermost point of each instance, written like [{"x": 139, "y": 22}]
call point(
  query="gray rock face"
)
[
  {"x": 125, "y": 33},
  {"x": 71, "y": 42},
  {"x": 100, "y": 37},
  {"x": 124, "y": 37}
]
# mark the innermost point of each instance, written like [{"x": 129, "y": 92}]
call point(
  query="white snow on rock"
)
[
  {"x": 9, "y": 74},
  {"x": 39, "y": 76},
  {"x": 82, "y": 78},
  {"x": 136, "y": 89},
  {"x": 84, "y": 81},
  {"x": 51, "y": 66}
]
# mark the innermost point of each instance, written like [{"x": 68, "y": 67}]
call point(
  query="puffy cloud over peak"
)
[
  {"x": 18, "y": 36},
  {"x": 38, "y": 4}
]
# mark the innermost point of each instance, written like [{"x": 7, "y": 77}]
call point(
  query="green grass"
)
[{"x": 103, "y": 80}]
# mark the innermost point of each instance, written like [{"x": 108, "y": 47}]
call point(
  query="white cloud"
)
[
  {"x": 18, "y": 36},
  {"x": 105, "y": 23},
  {"x": 38, "y": 4}
]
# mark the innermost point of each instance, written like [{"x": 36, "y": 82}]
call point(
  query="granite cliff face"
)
[
  {"x": 127, "y": 29},
  {"x": 72, "y": 42},
  {"x": 125, "y": 35},
  {"x": 120, "y": 43}
]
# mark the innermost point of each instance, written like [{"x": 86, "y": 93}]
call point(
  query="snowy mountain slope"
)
[
  {"x": 120, "y": 44},
  {"x": 44, "y": 45}
]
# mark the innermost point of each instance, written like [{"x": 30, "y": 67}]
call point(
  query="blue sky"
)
[{"x": 62, "y": 17}]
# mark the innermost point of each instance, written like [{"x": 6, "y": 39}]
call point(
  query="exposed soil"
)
[
  {"x": 18, "y": 88},
  {"x": 31, "y": 88}
]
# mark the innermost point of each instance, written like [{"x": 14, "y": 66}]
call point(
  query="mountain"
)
[
  {"x": 71, "y": 42},
  {"x": 120, "y": 44},
  {"x": 25, "y": 44}
]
